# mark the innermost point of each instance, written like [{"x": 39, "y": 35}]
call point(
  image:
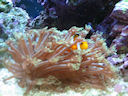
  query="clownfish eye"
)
[{"x": 75, "y": 36}]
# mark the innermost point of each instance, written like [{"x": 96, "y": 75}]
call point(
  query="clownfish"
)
[
  {"x": 75, "y": 36},
  {"x": 83, "y": 45}
]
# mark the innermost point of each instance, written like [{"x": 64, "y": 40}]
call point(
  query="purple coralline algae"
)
[
  {"x": 120, "y": 13},
  {"x": 13, "y": 21},
  {"x": 115, "y": 28},
  {"x": 121, "y": 62}
]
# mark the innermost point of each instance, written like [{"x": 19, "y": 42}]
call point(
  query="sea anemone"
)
[{"x": 48, "y": 52}]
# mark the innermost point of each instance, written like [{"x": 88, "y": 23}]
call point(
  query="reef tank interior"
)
[{"x": 63, "y": 47}]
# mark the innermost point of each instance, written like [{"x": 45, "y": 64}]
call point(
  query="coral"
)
[
  {"x": 47, "y": 52},
  {"x": 120, "y": 29},
  {"x": 121, "y": 62},
  {"x": 120, "y": 11},
  {"x": 124, "y": 68},
  {"x": 5, "y": 5},
  {"x": 14, "y": 21},
  {"x": 2, "y": 34},
  {"x": 33, "y": 11},
  {"x": 115, "y": 26},
  {"x": 121, "y": 41}
]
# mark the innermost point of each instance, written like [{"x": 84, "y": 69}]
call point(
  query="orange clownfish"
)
[{"x": 83, "y": 45}]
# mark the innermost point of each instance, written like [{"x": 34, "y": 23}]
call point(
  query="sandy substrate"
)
[{"x": 11, "y": 88}]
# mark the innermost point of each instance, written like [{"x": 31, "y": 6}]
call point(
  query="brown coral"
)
[{"x": 48, "y": 53}]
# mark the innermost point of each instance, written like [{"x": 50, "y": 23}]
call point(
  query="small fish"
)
[{"x": 83, "y": 45}]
